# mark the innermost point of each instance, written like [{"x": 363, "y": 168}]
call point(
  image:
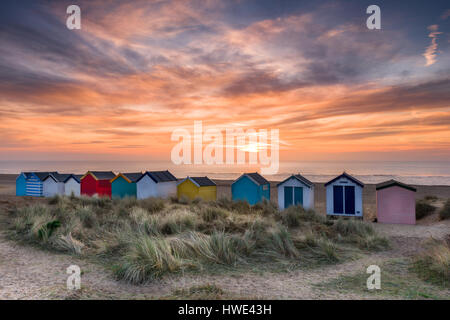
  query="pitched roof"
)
[
  {"x": 392, "y": 183},
  {"x": 202, "y": 181},
  {"x": 101, "y": 175},
  {"x": 131, "y": 177},
  {"x": 255, "y": 177},
  {"x": 76, "y": 177},
  {"x": 61, "y": 177},
  {"x": 27, "y": 174},
  {"x": 58, "y": 177},
  {"x": 300, "y": 178},
  {"x": 346, "y": 175},
  {"x": 41, "y": 175},
  {"x": 159, "y": 176}
]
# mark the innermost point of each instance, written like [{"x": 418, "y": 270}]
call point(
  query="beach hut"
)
[
  {"x": 96, "y": 183},
  {"x": 53, "y": 184},
  {"x": 30, "y": 183},
  {"x": 344, "y": 196},
  {"x": 21, "y": 184},
  {"x": 197, "y": 187},
  {"x": 72, "y": 185},
  {"x": 161, "y": 184},
  {"x": 250, "y": 187},
  {"x": 296, "y": 190},
  {"x": 396, "y": 203},
  {"x": 124, "y": 184}
]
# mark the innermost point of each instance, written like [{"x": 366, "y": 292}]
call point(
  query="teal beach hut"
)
[
  {"x": 250, "y": 187},
  {"x": 30, "y": 183},
  {"x": 124, "y": 184},
  {"x": 21, "y": 185}
]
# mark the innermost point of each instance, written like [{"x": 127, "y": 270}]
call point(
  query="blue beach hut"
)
[
  {"x": 251, "y": 187},
  {"x": 21, "y": 185},
  {"x": 31, "y": 183}
]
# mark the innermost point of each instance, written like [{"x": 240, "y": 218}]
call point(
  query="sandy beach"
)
[{"x": 7, "y": 187}]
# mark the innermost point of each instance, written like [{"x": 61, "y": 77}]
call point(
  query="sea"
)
[{"x": 412, "y": 172}]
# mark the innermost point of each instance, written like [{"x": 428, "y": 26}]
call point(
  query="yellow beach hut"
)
[{"x": 197, "y": 187}]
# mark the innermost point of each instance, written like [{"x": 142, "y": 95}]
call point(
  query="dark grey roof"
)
[
  {"x": 75, "y": 176},
  {"x": 300, "y": 178},
  {"x": 159, "y": 176},
  {"x": 392, "y": 183},
  {"x": 255, "y": 177},
  {"x": 103, "y": 175},
  {"x": 133, "y": 176},
  {"x": 61, "y": 177},
  {"x": 43, "y": 175},
  {"x": 58, "y": 177},
  {"x": 27, "y": 174},
  {"x": 203, "y": 181},
  {"x": 344, "y": 174}
]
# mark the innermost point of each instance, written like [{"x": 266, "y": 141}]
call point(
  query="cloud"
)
[
  {"x": 445, "y": 15},
  {"x": 430, "y": 52},
  {"x": 139, "y": 69}
]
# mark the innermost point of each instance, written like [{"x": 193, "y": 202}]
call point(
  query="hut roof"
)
[
  {"x": 346, "y": 175},
  {"x": 159, "y": 176},
  {"x": 40, "y": 174},
  {"x": 392, "y": 183},
  {"x": 58, "y": 177},
  {"x": 300, "y": 178},
  {"x": 76, "y": 177},
  {"x": 255, "y": 177},
  {"x": 100, "y": 175},
  {"x": 129, "y": 177},
  {"x": 27, "y": 174},
  {"x": 201, "y": 181}
]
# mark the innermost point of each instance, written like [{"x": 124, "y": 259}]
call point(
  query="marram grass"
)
[{"x": 148, "y": 239}]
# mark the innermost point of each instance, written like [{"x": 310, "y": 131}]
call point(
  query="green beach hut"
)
[{"x": 124, "y": 184}]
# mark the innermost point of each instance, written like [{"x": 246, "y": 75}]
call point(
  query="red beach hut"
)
[{"x": 97, "y": 182}]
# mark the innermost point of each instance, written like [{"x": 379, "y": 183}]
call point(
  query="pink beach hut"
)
[{"x": 396, "y": 203}]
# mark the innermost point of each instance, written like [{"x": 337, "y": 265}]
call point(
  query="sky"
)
[{"x": 138, "y": 70}]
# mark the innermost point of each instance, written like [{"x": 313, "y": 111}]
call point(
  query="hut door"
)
[
  {"x": 287, "y": 197},
  {"x": 338, "y": 199},
  {"x": 349, "y": 200},
  {"x": 298, "y": 196}
]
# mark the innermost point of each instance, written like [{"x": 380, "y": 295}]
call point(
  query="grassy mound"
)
[
  {"x": 424, "y": 208},
  {"x": 146, "y": 239},
  {"x": 445, "y": 211},
  {"x": 434, "y": 263}
]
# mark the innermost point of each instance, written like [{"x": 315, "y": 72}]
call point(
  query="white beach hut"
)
[
  {"x": 344, "y": 196},
  {"x": 53, "y": 184},
  {"x": 296, "y": 190},
  {"x": 156, "y": 184},
  {"x": 72, "y": 185}
]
